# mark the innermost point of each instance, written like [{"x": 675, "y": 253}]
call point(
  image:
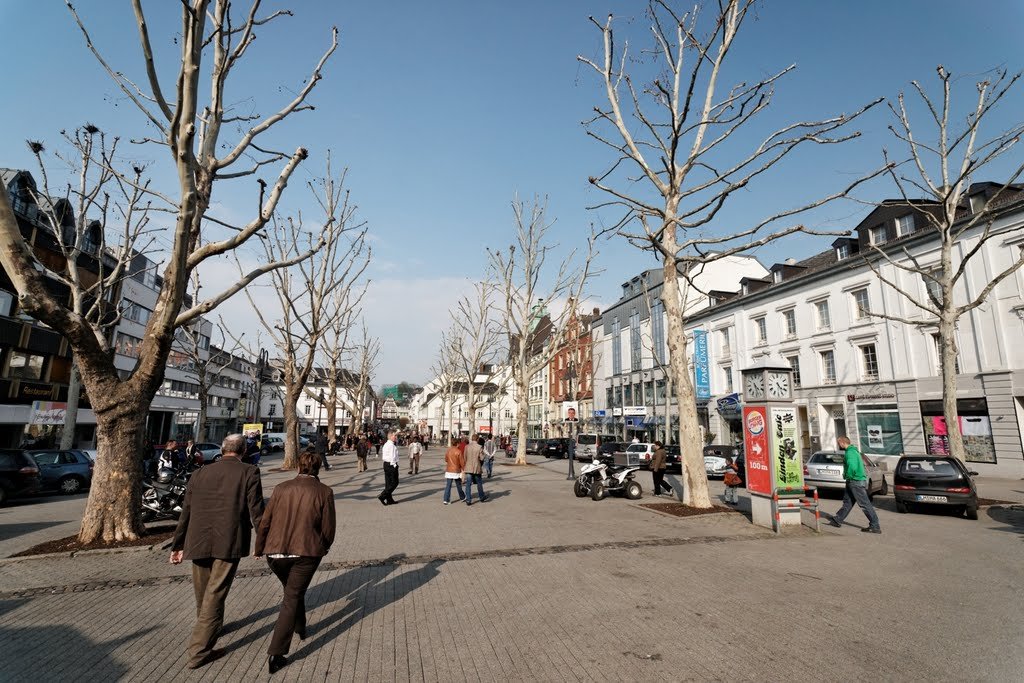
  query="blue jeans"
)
[
  {"x": 489, "y": 466},
  {"x": 448, "y": 489},
  {"x": 857, "y": 490},
  {"x": 472, "y": 477}
]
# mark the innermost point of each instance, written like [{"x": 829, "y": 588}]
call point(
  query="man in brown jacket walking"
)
[
  {"x": 223, "y": 502},
  {"x": 658, "y": 467},
  {"x": 473, "y": 467}
]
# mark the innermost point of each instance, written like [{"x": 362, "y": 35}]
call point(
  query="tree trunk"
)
[
  {"x": 695, "y": 480},
  {"x": 947, "y": 355},
  {"x": 291, "y": 428},
  {"x": 204, "y": 400},
  {"x": 522, "y": 416},
  {"x": 332, "y": 415},
  {"x": 111, "y": 515},
  {"x": 67, "y": 438}
]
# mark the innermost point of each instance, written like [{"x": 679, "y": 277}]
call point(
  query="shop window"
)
[
  {"x": 879, "y": 429},
  {"x": 974, "y": 423}
]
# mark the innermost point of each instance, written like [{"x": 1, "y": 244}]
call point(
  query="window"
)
[
  {"x": 932, "y": 288},
  {"x": 25, "y": 365},
  {"x": 127, "y": 345},
  {"x": 794, "y": 362},
  {"x": 627, "y": 395},
  {"x": 861, "y": 305},
  {"x": 634, "y": 340},
  {"x": 727, "y": 372},
  {"x": 869, "y": 362},
  {"x": 616, "y": 347},
  {"x": 658, "y": 330},
  {"x": 723, "y": 336},
  {"x": 828, "y": 367},
  {"x": 272, "y": 409},
  {"x": 823, "y": 315},
  {"x": 649, "y": 393},
  {"x": 842, "y": 251},
  {"x": 660, "y": 392},
  {"x": 309, "y": 409},
  {"x": 937, "y": 345},
  {"x": 876, "y": 235},
  {"x": 777, "y": 276},
  {"x": 761, "y": 330},
  {"x": 789, "y": 322},
  {"x": 6, "y": 302},
  {"x": 905, "y": 225}
]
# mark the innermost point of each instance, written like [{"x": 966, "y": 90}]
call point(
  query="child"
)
[{"x": 732, "y": 481}]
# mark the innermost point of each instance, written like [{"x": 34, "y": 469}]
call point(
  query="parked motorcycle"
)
[
  {"x": 163, "y": 496},
  {"x": 601, "y": 477}
]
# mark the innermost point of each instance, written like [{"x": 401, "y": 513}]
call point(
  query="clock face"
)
[
  {"x": 754, "y": 386},
  {"x": 778, "y": 385}
]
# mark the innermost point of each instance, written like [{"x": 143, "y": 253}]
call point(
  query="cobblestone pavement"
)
[{"x": 535, "y": 584}]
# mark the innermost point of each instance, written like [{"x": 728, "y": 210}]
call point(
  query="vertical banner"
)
[
  {"x": 701, "y": 375},
  {"x": 758, "y": 455},
  {"x": 787, "y": 468}
]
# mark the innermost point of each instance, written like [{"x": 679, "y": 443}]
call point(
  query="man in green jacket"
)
[{"x": 856, "y": 488}]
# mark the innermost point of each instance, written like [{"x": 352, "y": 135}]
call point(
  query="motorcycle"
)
[
  {"x": 601, "y": 477},
  {"x": 163, "y": 496}
]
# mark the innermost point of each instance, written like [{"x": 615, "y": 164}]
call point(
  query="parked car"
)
[
  {"x": 211, "y": 451},
  {"x": 673, "y": 459},
  {"x": 66, "y": 471},
  {"x": 19, "y": 474},
  {"x": 824, "y": 469},
  {"x": 534, "y": 446},
  {"x": 714, "y": 458},
  {"x": 611, "y": 447},
  {"x": 639, "y": 454},
  {"x": 934, "y": 480},
  {"x": 556, "y": 448}
]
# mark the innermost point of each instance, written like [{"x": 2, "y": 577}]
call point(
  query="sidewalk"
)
[{"x": 549, "y": 587}]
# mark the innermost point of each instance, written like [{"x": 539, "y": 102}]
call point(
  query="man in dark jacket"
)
[
  {"x": 658, "y": 467},
  {"x": 321, "y": 450},
  {"x": 227, "y": 499}
]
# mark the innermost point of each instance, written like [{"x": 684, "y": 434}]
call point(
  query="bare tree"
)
[
  {"x": 945, "y": 158},
  {"x": 194, "y": 354},
  {"x": 679, "y": 134},
  {"x": 445, "y": 372},
  {"x": 523, "y": 280},
  {"x": 191, "y": 131},
  {"x": 476, "y": 344},
  {"x": 359, "y": 380},
  {"x": 306, "y": 291}
]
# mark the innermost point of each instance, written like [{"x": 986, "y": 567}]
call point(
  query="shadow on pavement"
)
[
  {"x": 1011, "y": 516},
  {"x": 45, "y": 653},
  {"x": 9, "y": 531}
]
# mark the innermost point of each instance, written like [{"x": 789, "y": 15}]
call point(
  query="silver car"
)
[{"x": 824, "y": 469}]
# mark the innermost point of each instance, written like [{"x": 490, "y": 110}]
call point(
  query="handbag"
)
[{"x": 731, "y": 479}]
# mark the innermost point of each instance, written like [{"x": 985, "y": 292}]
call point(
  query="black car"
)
[
  {"x": 556, "y": 448},
  {"x": 610, "y": 447},
  {"x": 19, "y": 474},
  {"x": 934, "y": 480},
  {"x": 66, "y": 471}
]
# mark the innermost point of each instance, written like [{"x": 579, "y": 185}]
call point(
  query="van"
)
[{"x": 587, "y": 444}]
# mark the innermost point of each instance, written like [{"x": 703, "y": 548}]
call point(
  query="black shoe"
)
[
  {"x": 382, "y": 500},
  {"x": 301, "y": 633},
  {"x": 872, "y": 530},
  {"x": 277, "y": 662},
  {"x": 468, "y": 503},
  {"x": 833, "y": 522},
  {"x": 483, "y": 498}
]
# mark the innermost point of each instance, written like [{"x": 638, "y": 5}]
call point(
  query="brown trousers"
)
[
  {"x": 295, "y": 574},
  {"x": 211, "y": 581},
  {"x": 362, "y": 464}
]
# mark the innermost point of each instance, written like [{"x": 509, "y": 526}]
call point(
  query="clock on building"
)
[{"x": 778, "y": 385}]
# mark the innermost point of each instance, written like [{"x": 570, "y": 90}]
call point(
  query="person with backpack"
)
[{"x": 732, "y": 481}]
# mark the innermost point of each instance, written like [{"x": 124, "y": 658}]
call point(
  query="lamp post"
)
[
  {"x": 570, "y": 375},
  {"x": 490, "y": 415},
  {"x": 320, "y": 413}
]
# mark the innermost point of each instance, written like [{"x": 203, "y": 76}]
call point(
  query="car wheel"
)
[
  {"x": 885, "y": 487},
  {"x": 971, "y": 511},
  {"x": 633, "y": 490},
  {"x": 580, "y": 489},
  {"x": 901, "y": 507},
  {"x": 69, "y": 485},
  {"x": 597, "y": 491}
]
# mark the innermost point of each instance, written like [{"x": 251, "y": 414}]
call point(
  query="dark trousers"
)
[
  {"x": 211, "y": 581},
  {"x": 295, "y": 575},
  {"x": 324, "y": 465},
  {"x": 857, "y": 491},
  {"x": 390, "y": 482},
  {"x": 659, "y": 481}
]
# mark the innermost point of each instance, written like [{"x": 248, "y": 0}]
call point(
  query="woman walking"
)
[
  {"x": 453, "y": 462},
  {"x": 295, "y": 533}
]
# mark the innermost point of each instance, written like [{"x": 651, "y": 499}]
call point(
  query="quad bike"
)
[{"x": 601, "y": 477}]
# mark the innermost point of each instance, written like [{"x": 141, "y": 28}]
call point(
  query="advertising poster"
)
[
  {"x": 701, "y": 375},
  {"x": 253, "y": 431},
  {"x": 787, "y": 467},
  {"x": 47, "y": 413},
  {"x": 570, "y": 411},
  {"x": 758, "y": 456}
]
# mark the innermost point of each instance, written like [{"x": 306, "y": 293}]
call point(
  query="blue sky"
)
[{"x": 443, "y": 112}]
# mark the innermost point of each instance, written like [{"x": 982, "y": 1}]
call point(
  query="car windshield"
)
[
  {"x": 928, "y": 467},
  {"x": 586, "y": 439},
  {"x": 637, "y": 448},
  {"x": 826, "y": 459}
]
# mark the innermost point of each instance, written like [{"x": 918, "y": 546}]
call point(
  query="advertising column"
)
[{"x": 788, "y": 472}]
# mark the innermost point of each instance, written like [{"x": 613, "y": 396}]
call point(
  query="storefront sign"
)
[
  {"x": 599, "y": 413},
  {"x": 635, "y": 410},
  {"x": 880, "y": 394},
  {"x": 701, "y": 374},
  {"x": 758, "y": 456},
  {"x": 35, "y": 391},
  {"x": 47, "y": 413},
  {"x": 616, "y": 412},
  {"x": 788, "y": 470},
  {"x": 729, "y": 405}
]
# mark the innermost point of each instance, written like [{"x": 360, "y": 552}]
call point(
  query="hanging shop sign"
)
[
  {"x": 48, "y": 413},
  {"x": 701, "y": 373}
]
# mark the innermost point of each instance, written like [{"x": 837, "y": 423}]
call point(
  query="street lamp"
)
[{"x": 570, "y": 375}]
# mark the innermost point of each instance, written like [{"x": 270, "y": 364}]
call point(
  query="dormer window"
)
[
  {"x": 905, "y": 225},
  {"x": 977, "y": 202},
  {"x": 842, "y": 251},
  {"x": 876, "y": 235},
  {"x": 777, "y": 276}
]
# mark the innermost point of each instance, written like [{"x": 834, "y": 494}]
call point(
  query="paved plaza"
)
[{"x": 535, "y": 584}]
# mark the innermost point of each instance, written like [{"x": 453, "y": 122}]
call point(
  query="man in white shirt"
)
[
  {"x": 489, "y": 448},
  {"x": 389, "y": 454}
]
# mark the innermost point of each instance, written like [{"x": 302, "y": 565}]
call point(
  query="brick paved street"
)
[{"x": 550, "y": 587}]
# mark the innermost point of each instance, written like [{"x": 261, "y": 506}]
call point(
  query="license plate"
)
[
  {"x": 831, "y": 470},
  {"x": 931, "y": 499}
]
